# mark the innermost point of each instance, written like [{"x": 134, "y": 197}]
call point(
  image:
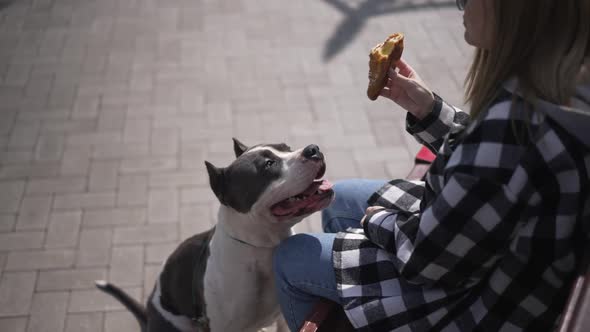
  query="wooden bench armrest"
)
[{"x": 576, "y": 316}]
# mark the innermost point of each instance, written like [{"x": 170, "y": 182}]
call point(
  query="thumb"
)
[{"x": 372, "y": 209}]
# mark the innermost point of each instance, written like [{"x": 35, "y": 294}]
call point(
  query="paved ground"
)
[{"x": 108, "y": 109}]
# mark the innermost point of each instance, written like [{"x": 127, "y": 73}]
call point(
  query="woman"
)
[{"x": 490, "y": 241}]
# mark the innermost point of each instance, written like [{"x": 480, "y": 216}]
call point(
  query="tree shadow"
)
[
  {"x": 6, "y": 3},
  {"x": 357, "y": 16}
]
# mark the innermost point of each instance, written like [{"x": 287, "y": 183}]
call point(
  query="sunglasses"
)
[{"x": 461, "y": 4}]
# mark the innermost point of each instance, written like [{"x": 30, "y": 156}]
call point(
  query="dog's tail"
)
[{"x": 135, "y": 307}]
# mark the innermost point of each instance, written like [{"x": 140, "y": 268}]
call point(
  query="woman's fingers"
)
[
  {"x": 401, "y": 81},
  {"x": 372, "y": 209},
  {"x": 404, "y": 68},
  {"x": 369, "y": 210},
  {"x": 396, "y": 88}
]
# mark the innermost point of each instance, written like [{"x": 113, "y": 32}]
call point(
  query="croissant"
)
[{"x": 381, "y": 58}]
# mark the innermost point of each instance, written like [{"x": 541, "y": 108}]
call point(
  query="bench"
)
[{"x": 328, "y": 316}]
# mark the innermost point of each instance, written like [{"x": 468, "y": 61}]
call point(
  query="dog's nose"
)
[{"x": 312, "y": 152}]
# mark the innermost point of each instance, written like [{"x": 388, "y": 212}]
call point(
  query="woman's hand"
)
[
  {"x": 408, "y": 90},
  {"x": 369, "y": 210}
]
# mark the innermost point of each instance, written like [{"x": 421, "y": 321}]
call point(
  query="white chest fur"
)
[{"x": 239, "y": 285}]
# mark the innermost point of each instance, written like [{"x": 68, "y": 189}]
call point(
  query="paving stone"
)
[
  {"x": 120, "y": 321},
  {"x": 10, "y": 199},
  {"x": 79, "y": 278},
  {"x": 84, "y": 200},
  {"x": 85, "y": 322},
  {"x": 373, "y": 170},
  {"x": 48, "y": 312},
  {"x": 57, "y": 185},
  {"x": 49, "y": 148},
  {"x": 18, "y": 324},
  {"x": 377, "y": 154},
  {"x": 24, "y": 135},
  {"x": 16, "y": 293},
  {"x": 22, "y": 171},
  {"x": 151, "y": 273},
  {"x": 75, "y": 161},
  {"x": 196, "y": 195},
  {"x": 153, "y": 233},
  {"x": 132, "y": 190},
  {"x": 17, "y": 74},
  {"x": 96, "y": 300},
  {"x": 35, "y": 260},
  {"x": 95, "y": 247},
  {"x": 2, "y": 262},
  {"x": 126, "y": 268},
  {"x": 91, "y": 139},
  {"x": 346, "y": 167},
  {"x": 137, "y": 130},
  {"x": 63, "y": 230},
  {"x": 54, "y": 121},
  {"x": 118, "y": 216},
  {"x": 398, "y": 170},
  {"x": 163, "y": 206},
  {"x": 7, "y": 222},
  {"x": 169, "y": 119},
  {"x": 179, "y": 179},
  {"x": 65, "y": 126},
  {"x": 164, "y": 142},
  {"x": 16, "y": 156},
  {"x": 103, "y": 175},
  {"x": 21, "y": 240},
  {"x": 112, "y": 118},
  {"x": 158, "y": 253},
  {"x": 195, "y": 218},
  {"x": 34, "y": 212},
  {"x": 148, "y": 164},
  {"x": 123, "y": 150}
]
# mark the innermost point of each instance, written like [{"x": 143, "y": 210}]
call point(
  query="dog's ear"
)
[
  {"x": 216, "y": 181},
  {"x": 239, "y": 147}
]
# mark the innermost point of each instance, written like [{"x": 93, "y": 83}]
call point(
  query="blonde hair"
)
[{"x": 543, "y": 43}]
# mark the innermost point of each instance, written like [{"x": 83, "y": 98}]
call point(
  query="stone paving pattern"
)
[{"x": 108, "y": 109}]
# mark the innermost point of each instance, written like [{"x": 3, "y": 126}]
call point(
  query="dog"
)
[{"x": 222, "y": 280}]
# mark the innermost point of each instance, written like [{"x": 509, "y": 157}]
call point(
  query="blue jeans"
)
[{"x": 302, "y": 263}]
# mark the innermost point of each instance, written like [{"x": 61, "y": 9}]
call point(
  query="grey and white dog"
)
[{"x": 221, "y": 280}]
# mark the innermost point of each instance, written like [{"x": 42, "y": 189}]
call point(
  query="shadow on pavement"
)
[
  {"x": 358, "y": 12},
  {"x": 6, "y": 3}
]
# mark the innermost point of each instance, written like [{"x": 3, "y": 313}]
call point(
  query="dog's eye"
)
[{"x": 269, "y": 163}]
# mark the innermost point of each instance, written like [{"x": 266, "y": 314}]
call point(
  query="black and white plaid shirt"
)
[{"x": 489, "y": 242}]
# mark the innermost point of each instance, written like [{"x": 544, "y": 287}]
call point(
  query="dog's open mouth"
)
[{"x": 316, "y": 197}]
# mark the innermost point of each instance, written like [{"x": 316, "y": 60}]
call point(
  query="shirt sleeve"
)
[
  {"x": 455, "y": 237},
  {"x": 432, "y": 129}
]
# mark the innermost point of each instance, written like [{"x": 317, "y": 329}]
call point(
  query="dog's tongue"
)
[
  {"x": 315, "y": 185},
  {"x": 290, "y": 206}
]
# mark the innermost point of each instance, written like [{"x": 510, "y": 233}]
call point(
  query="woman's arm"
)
[
  {"x": 453, "y": 241},
  {"x": 434, "y": 127},
  {"x": 429, "y": 118},
  {"x": 457, "y": 235}
]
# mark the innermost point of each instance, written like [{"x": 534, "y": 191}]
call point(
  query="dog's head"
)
[{"x": 272, "y": 183}]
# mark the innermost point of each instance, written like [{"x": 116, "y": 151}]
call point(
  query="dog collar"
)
[{"x": 242, "y": 241}]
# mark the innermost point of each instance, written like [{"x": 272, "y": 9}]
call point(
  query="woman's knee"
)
[
  {"x": 291, "y": 252},
  {"x": 344, "y": 196},
  {"x": 346, "y": 190},
  {"x": 346, "y": 209},
  {"x": 349, "y": 204}
]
